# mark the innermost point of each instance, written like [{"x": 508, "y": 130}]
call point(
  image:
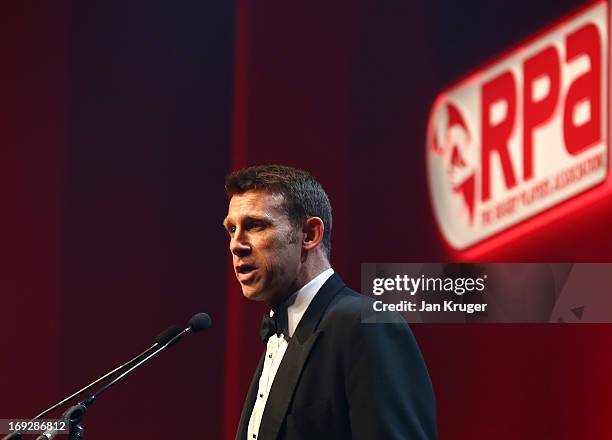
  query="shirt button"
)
[
  {"x": 270, "y": 355},
  {"x": 260, "y": 395}
]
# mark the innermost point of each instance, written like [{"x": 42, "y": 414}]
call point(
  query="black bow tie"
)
[{"x": 276, "y": 324}]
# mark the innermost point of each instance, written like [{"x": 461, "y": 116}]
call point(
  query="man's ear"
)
[{"x": 313, "y": 233}]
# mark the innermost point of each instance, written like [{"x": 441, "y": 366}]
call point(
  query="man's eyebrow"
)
[{"x": 260, "y": 218}]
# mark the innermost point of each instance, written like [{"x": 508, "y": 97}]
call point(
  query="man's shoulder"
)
[
  {"x": 349, "y": 302},
  {"x": 351, "y": 307}
]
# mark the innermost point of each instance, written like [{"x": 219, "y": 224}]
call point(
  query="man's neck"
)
[
  {"x": 310, "y": 274},
  {"x": 307, "y": 273}
]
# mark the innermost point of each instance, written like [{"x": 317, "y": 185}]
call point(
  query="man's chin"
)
[{"x": 253, "y": 294}]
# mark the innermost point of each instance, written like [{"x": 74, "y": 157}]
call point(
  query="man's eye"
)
[
  {"x": 254, "y": 225},
  {"x": 231, "y": 229}
]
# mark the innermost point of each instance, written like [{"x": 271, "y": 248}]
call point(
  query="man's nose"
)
[{"x": 239, "y": 245}]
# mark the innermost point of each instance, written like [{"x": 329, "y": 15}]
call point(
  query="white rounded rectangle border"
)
[{"x": 523, "y": 134}]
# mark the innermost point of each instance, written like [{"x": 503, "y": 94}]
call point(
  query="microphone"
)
[
  {"x": 198, "y": 322},
  {"x": 166, "y": 335},
  {"x": 162, "y": 339}
]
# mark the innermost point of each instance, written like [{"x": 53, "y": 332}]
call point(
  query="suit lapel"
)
[
  {"x": 288, "y": 374},
  {"x": 249, "y": 402}
]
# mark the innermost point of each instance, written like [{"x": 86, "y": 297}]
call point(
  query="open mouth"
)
[{"x": 245, "y": 272}]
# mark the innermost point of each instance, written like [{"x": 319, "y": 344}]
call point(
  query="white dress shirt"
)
[{"x": 277, "y": 345}]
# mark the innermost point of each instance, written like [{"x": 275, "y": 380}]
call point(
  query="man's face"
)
[{"x": 265, "y": 246}]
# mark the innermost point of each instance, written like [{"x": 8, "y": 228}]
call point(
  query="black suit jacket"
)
[{"x": 345, "y": 378}]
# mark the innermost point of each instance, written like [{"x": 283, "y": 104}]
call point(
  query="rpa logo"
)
[
  {"x": 522, "y": 135},
  {"x": 454, "y": 152}
]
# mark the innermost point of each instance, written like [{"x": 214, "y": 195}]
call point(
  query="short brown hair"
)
[{"x": 303, "y": 196}]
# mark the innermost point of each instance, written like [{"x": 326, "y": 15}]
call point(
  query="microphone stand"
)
[
  {"x": 74, "y": 415},
  {"x": 19, "y": 435},
  {"x": 163, "y": 336},
  {"x": 77, "y": 431}
]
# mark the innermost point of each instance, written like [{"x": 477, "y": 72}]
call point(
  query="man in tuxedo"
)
[{"x": 331, "y": 369}]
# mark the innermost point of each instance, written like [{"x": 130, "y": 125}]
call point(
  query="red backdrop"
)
[
  {"x": 119, "y": 122},
  {"x": 344, "y": 91},
  {"x": 32, "y": 115}
]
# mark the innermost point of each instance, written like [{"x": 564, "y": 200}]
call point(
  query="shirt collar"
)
[{"x": 300, "y": 300}]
